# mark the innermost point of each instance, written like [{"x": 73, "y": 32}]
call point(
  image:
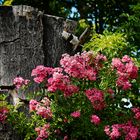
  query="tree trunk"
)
[
  {"x": 53, "y": 43},
  {"x": 29, "y": 38}
]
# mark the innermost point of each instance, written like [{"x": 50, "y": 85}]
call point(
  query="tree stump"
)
[{"x": 29, "y": 38}]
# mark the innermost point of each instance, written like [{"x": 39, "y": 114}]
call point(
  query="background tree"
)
[
  {"x": 115, "y": 15},
  {"x": 104, "y": 13},
  {"x": 131, "y": 27}
]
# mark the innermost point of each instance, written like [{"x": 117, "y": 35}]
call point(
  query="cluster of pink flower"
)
[
  {"x": 95, "y": 119},
  {"x": 19, "y": 82},
  {"x": 40, "y": 73},
  {"x": 126, "y": 70},
  {"x": 96, "y": 97},
  {"x": 128, "y": 130},
  {"x": 59, "y": 81},
  {"x": 3, "y": 114},
  {"x": 55, "y": 80},
  {"x": 42, "y": 108},
  {"x": 136, "y": 111},
  {"x": 42, "y": 132},
  {"x": 83, "y": 66},
  {"x": 78, "y": 66},
  {"x": 76, "y": 114}
]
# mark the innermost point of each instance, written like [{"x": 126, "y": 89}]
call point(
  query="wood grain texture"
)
[
  {"x": 20, "y": 42},
  {"x": 28, "y": 38},
  {"x": 53, "y": 43}
]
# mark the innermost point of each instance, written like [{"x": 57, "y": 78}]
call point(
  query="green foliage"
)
[
  {"x": 131, "y": 27},
  {"x": 92, "y": 98},
  {"x": 3, "y": 102},
  {"x": 110, "y": 44},
  {"x": 7, "y": 2},
  {"x": 52, "y": 7},
  {"x": 22, "y": 123},
  {"x": 105, "y": 13},
  {"x": 82, "y": 25}
]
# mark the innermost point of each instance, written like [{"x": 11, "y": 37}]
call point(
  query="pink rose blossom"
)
[
  {"x": 116, "y": 63},
  {"x": 75, "y": 114},
  {"x": 131, "y": 70},
  {"x": 45, "y": 101},
  {"x": 113, "y": 131},
  {"x": 40, "y": 73},
  {"x": 65, "y": 137},
  {"x": 82, "y": 66},
  {"x": 42, "y": 132},
  {"x": 107, "y": 130},
  {"x": 58, "y": 81},
  {"x": 128, "y": 130},
  {"x": 45, "y": 112},
  {"x": 126, "y": 58},
  {"x": 33, "y": 104},
  {"x": 100, "y": 57},
  {"x": 135, "y": 109},
  {"x": 3, "y": 114},
  {"x": 19, "y": 82},
  {"x": 123, "y": 82},
  {"x": 41, "y": 108},
  {"x": 70, "y": 89},
  {"x": 136, "y": 113},
  {"x": 96, "y": 97},
  {"x": 126, "y": 71},
  {"x": 95, "y": 119}
]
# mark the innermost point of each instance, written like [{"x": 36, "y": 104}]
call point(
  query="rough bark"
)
[
  {"x": 29, "y": 38},
  {"x": 21, "y": 32},
  {"x": 53, "y": 43}
]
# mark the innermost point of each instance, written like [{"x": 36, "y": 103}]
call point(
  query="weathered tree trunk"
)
[
  {"x": 27, "y": 39},
  {"x": 53, "y": 43},
  {"x": 21, "y": 32}
]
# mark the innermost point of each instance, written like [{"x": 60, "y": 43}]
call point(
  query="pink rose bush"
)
[
  {"x": 83, "y": 99},
  {"x": 82, "y": 66},
  {"x": 77, "y": 92},
  {"x": 136, "y": 112},
  {"x": 40, "y": 73},
  {"x": 126, "y": 71},
  {"x": 128, "y": 130}
]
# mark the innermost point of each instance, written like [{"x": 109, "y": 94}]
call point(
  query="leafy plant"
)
[
  {"x": 110, "y": 44},
  {"x": 85, "y": 98}
]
